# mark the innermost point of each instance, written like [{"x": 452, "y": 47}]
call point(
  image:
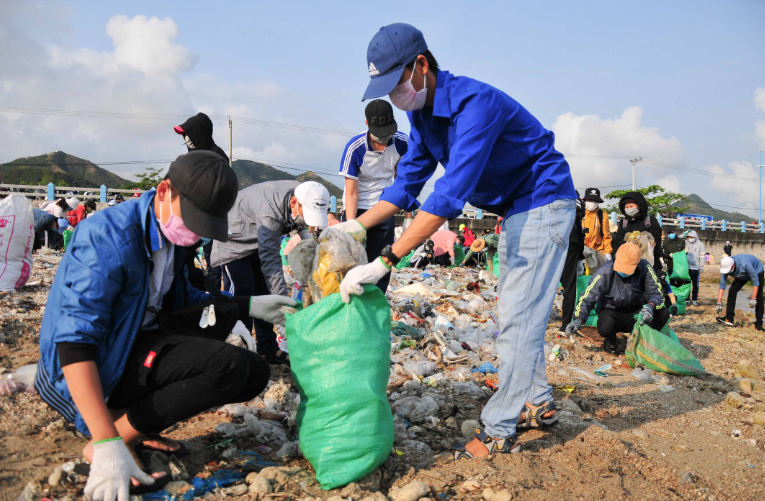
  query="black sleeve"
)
[
  {"x": 72, "y": 353},
  {"x": 243, "y": 303},
  {"x": 657, "y": 250},
  {"x": 618, "y": 239}
]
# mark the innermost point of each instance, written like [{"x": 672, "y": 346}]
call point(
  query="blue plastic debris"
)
[
  {"x": 426, "y": 275},
  {"x": 486, "y": 368},
  {"x": 200, "y": 486}
]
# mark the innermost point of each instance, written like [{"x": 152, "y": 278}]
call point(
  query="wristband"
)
[
  {"x": 384, "y": 263},
  {"x": 107, "y": 440}
]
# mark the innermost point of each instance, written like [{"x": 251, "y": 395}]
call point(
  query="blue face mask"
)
[
  {"x": 206, "y": 241},
  {"x": 624, "y": 275},
  {"x": 672, "y": 236}
]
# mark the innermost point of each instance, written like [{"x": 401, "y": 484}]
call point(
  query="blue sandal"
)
[
  {"x": 484, "y": 445},
  {"x": 534, "y": 417}
]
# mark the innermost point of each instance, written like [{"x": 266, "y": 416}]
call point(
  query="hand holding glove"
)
[
  {"x": 752, "y": 302},
  {"x": 647, "y": 313},
  {"x": 269, "y": 308},
  {"x": 573, "y": 327},
  {"x": 354, "y": 280},
  {"x": 353, "y": 228},
  {"x": 719, "y": 308},
  {"x": 110, "y": 472}
]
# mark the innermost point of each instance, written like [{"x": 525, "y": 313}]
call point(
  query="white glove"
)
[
  {"x": 269, "y": 308},
  {"x": 753, "y": 302},
  {"x": 608, "y": 257},
  {"x": 110, "y": 472},
  {"x": 354, "y": 280},
  {"x": 241, "y": 331},
  {"x": 353, "y": 228}
]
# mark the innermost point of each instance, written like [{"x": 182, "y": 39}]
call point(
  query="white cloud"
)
[
  {"x": 273, "y": 152},
  {"x": 588, "y": 141},
  {"x": 670, "y": 183},
  {"x": 759, "y": 99},
  {"x": 739, "y": 182}
]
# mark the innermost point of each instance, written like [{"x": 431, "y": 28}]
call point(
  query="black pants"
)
[
  {"x": 612, "y": 321},
  {"x": 694, "y": 274},
  {"x": 733, "y": 292},
  {"x": 377, "y": 238},
  {"x": 444, "y": 260},
  {"x": 244, "y": 277},
  {"x": 170, "y": 378},
  {"x": 214, "y": 273},
  {"x": 568, "y": 280}
]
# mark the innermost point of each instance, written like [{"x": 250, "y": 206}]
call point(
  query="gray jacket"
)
[
  {"x": 695, "y": 251},
  {"x": 259, "y": 218}
]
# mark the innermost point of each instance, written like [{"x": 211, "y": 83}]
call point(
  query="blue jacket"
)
[
  {"x": 497, "y": 156},
  {"x": 748, "y": 267},
  {"x": 99, "y": 297},
  {"x": 612, "y": 292},
  {"x": 43, "y": 223}
]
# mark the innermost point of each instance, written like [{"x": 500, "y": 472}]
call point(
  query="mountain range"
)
[
  {"x": 63, "y": 169},
  {"x": 696, "y": 205}
]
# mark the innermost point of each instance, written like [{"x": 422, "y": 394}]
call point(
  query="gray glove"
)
[
  {"x": 573, "y": 327},
  {"x": 752, "y": 303},
  {"x": 269, "y": 308},
  {"x": 647, "y": 313},
  {"x": 719, "y": 307}
]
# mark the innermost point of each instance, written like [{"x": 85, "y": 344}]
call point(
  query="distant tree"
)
[
  {"x": 150, "y": 178},
  {"x": 661, "y": 201}
]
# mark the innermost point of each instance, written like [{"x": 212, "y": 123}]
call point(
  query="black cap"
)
[
  {"x": 380, "y": 118},
  {"x": 592, "y": 194},
  {"x": 208, "y": 188}
]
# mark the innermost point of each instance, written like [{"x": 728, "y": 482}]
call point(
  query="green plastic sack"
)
[
  {"x": 340, "y": 358},
  {"x": 680, "y": 266},
  {"x": 285, "y": 241},
  {"x": 680, "y": 306},
  {"x": 68, "y": 233},
  {"x": 405, "y": 261},
  {"x": 581, "y": 284},
  {"x": 495, "y": 264},
  {"x": 459, "y": 254},
  {"x": 660, "y": 351},
  {"x": 683, "y": 292}
]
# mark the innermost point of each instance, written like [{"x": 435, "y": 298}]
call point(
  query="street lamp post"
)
[{"x": 759, "y": 214}]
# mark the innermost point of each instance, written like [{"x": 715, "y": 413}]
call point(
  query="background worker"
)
[
  {"x": 423, "y": 255},
  {"x": 499, "y": 158},
  {"x": 498, "y": 227},
  {"x": 369, "y": 166},
  {"x": 597, "y": 235},
  {"x": 46, "y": 223},
  {"x": 468, "y": 234},
  {"x": 695, "y": 250},
  {"x": 251, "y": 258},
  {"x": 622, "y": 288},
  {"x": 197, "y": 134},
  {"x": 443, "y": 247},
  {"x": 107, "y": 363},
  {"x": 637, "y": 218},
  {"x": 728, "y": 248},
  {"x": 742, "y": 268},
  {"x": 573, "y": 267},
  {"x": 489, "y": 242},
  {"x": 81, "y": 212}
]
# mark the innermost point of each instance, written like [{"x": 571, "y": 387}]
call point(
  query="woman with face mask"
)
[
  {"x": 597, "y": 235},
  {"x": 638, "y": 218},
  {"x": 695, "y": 250}
]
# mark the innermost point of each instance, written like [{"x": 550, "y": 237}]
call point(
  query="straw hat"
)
[{"x": 478, "y": 245}]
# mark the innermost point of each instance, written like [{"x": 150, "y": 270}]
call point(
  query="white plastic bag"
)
[{"x": 17, "y": 236}]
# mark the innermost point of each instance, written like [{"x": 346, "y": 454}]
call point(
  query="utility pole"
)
[
  {"x": 759, "y": 215},
  {"x": 230, "y": 143},
  {"x": 634, "y": 161}
]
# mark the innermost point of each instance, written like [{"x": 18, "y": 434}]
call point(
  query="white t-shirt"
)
[{"x": 373, "y": 169}]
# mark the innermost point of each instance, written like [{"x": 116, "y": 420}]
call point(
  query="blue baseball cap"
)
[
  {"x": 392, "y": 48},
  {"x": 62, "y": 225}
]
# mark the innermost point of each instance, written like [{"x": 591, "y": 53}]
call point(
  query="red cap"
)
[{"x": 178, "y": 130}]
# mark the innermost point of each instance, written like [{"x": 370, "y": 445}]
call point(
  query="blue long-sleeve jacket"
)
[
  {"x": 99, "y": 297},
  {"x": 610, "y": 291},
  {"x": 748, "y": 267},
  {"x": 496, "y": 154}
]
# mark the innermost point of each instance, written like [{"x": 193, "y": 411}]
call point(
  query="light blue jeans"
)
[{"x": 531, "y": 255}]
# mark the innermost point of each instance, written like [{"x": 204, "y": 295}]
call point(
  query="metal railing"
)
[
  {"x": 702, "y": 224},
  {"x": 52, "y": 192}
]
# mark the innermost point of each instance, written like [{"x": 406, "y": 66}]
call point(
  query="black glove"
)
[
  {"x": 673, "y": 310},
  {"x": 573, "y": 327},
  {"x": 647, "y": 313}
]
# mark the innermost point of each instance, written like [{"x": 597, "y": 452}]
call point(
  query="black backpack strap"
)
[{"x": 600, "y": 222}]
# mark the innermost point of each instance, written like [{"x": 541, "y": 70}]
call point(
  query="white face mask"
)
[
  {"x": 189, "y": 144},
  {"x": 691, "y": 239},
  {"x": 632, "y": 211},
  {"x": 406, "y": 98},
  {"x": 591, "y": 206}
]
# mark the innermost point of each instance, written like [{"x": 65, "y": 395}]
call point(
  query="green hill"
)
[
  {"x": 250, "y": 173},
  {"x": 696, "y": 205},
  {"x": 61, "y": 169}
]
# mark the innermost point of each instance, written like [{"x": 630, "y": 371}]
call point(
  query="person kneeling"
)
[
  {"x": 111, "y": 361},
  {"x": 622, "y": 288}
]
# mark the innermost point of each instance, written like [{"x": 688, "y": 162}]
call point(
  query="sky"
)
[{"x": 680, "y": 84}]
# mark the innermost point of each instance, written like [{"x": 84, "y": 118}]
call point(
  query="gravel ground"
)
[{"x": 618, "y": 437}]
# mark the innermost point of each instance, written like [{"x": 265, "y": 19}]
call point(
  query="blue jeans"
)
[{"x": 532, "y": 254}]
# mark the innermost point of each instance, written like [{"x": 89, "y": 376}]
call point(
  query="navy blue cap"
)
[{"x": 392, "y": 48}]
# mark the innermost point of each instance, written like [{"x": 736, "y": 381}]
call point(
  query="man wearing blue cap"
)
[{"x": 497, "y": 157}]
